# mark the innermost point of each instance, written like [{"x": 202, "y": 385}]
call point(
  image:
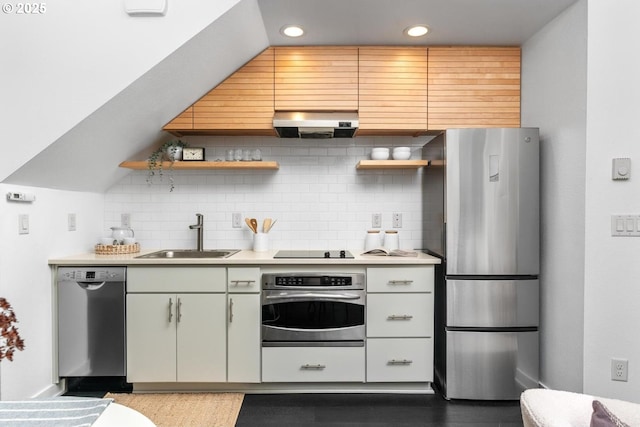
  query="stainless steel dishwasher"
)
[{"x": 91, "y": 321}]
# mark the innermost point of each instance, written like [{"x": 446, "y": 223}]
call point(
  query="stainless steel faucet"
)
[{"x": 200, "y": 227}]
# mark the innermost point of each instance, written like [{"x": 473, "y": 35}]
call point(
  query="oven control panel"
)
[{"x": 313, "y": 280}]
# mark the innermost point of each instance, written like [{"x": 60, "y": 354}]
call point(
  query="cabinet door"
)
[
  {"x": 242, "y": 103},
  {"x": 392, "y": 85},
  {"x": 151, "y": 338},
  {"x": 244, "y": 338},
  {"x": 316, "y": 78},
  {"x": 473, "y": 87},
  {"x": 174, "y": 279},
  {"x": 399, "y": 315},
  {"x": 399, "y": 359},
  {"x": 201, "y": 340},
  {"x": 400, "y": 279},
  {"x": 243, "y": 279}
]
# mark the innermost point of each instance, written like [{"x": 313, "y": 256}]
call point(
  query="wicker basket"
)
[{"x": 117, "y": 249}]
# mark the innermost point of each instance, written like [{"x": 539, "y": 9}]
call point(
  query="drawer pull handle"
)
[
  {"x": 313, "y": 367},
  {"x": 399, "y": 362},
  {"x": 230, "y": 310},
  {"x": 400, "y": 282},
  {"x": 170, "y": 309},
  {"x": 400, "y": 317},
  {"x": 179, "y": 310},
  {"x": 242, "y": 282}
]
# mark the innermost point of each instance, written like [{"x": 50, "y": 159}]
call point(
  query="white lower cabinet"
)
[
  {"x": 399, "y": 359},
  {"x": 176, "y": 337},
  {"x": 400, "y": 324},
  {"x": 313, "y": 364},
  {"x": 399, "y": 315},
  {"x": 243, "y": 338}
]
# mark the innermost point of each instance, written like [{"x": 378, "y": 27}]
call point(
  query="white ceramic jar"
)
[
  {"x": 391, "y": 240},
  {"x": 372, "y": 240}
]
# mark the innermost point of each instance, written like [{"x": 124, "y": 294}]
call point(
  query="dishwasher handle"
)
[{"x": 91, "y": 286}]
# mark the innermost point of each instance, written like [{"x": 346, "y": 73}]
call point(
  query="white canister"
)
[
  {"x": 372, "y": 240},
  {"x": 391, "y": 240},
  {"x": 260, "y": 242}
]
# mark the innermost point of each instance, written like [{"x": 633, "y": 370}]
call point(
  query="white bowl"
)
[
  {"x": 402, "y": 155},
  {"x": 379, "y": 156},
  {"x": 380, "y": 150}
]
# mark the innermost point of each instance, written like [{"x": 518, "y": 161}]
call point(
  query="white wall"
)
[
  {"x": 60, "y": 66},
  {"x": 554, "y": 98},
  {"x": 25, "y": 277},
  {"x": 318, "y": 197},
  {"x": 612, "y": 270}
]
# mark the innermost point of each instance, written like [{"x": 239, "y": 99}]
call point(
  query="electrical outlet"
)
[
  {"x": 236, "y": 220},
  {"x": 619, "y": 369},
  {"x": 71, "y": 222},
  {"x": 397, "y": 220},
  {"x": 125, "y": 220},
  {"x": 376, "y": 220}
]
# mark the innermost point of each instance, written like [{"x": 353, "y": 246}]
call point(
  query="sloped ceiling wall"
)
[{"x": 86, "y": 157}]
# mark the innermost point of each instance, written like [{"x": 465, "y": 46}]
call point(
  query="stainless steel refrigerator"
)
[{"x": 481, "y": 217}]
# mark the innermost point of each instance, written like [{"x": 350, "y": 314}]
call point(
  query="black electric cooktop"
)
[{"x": 314, "y": 254}]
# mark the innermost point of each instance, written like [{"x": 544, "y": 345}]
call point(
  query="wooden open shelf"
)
[
  {"x": 182, "y": 165},
  {"x": 392, "y": 164}
]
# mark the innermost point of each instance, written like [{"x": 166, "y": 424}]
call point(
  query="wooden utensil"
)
[
  {"x": 271, "y": 225},
  {"x": 266, "y": 225},
  {"x": 250, "y": 224},
  {"x": 254, "y": 225}
]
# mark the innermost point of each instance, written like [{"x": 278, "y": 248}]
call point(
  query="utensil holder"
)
[{"x": 260, "y": 242}]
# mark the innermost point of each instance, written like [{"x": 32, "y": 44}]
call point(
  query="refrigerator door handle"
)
[{"x": 400, "y": 317}]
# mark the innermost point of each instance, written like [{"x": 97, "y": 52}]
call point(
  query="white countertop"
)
[{"x": 244, "y": 257}]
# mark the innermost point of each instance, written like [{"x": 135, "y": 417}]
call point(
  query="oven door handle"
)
[{"x": 308, "y": 295}]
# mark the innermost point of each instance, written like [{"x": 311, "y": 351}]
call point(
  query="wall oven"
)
[{"x": 313, "y": 309}]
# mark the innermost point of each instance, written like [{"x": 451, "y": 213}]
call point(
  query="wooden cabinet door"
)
[
  {"x": 151, "y": 338},
  {"x": 201, "y": 338},
  {"x": 316, "y": 78},
  {"x": 392, "y": 85},
  {"x": 244, "y": 338},
  {"x": 473, "y": 87},
  {"x": 242, "y": 103}
]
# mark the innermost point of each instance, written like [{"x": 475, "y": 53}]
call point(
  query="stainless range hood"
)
[{"x": 315, "y": 124}]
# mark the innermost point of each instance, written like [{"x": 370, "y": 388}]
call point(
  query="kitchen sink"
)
[{"x": 191, "y": 253}]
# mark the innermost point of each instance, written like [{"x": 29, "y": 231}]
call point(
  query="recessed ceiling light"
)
[
  {"x": 292, "y": 31},
  {"x": 417, "y": 30}
]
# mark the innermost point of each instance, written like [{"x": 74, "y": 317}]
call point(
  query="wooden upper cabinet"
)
[
  {"x": 316, "y": 78},
  {"x": 182, "y": 122},
  {"x": 473, "y": 87},
  {"x": 392, "y": 90},
  {"x": 242, "y": 104}
]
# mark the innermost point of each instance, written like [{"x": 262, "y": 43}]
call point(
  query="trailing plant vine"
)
[{"x": 166, "y": 152}]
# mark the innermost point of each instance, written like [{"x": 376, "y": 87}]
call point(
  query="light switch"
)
[
  {"x": 621, "y": 169},
  {"x": 625, "y": 225},
  {"x": 23, "y": 224}
]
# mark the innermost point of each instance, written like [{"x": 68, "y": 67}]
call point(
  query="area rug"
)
[{"x": 184, "y": 409}]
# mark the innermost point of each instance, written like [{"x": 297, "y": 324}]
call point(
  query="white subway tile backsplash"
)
[{"x": 318, "y": 197}]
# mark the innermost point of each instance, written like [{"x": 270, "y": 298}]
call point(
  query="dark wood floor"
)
[
  {"x": 374, "y": 410},
  {"x": 347, "y": 410}
]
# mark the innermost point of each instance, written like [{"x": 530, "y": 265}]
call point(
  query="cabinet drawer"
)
[
  {"x": 313, "y": 364},
  {"x": 243, "y": 279},
  {"x": 176, "y": 279},
  {"x": 399, "y": 315},
  {"x": 400, "y": 279},
  {"x": 399, "y": 359}
]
